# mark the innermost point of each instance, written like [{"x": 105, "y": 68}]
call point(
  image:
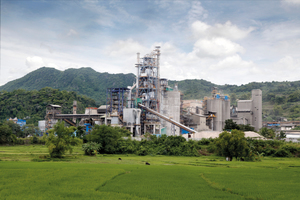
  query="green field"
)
[{"x": 22, "y": 176}]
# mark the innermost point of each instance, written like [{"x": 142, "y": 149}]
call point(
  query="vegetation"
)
[
  {"x": 168, "y": 177},
  {"x": 232, "y": 144},
  {"x": 61, "y": 139},
  {"x": 84, "y": 81},
  {"x": 113, "y": 142},
  {"x": 280, "y": 99},
  {"x": 267, "y": 133},
  {"x": 11, "y": 133},
  {"x": 31, "y": 105},
  {"x": 230, "y": 125},
  {"x": 91, "y": 148}
]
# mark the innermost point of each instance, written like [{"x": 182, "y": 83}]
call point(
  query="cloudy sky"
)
[{"x": 225, "y": 42}]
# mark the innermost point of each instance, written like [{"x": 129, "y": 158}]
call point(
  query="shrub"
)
[
  {"x": 282, "y": 153},
  {"x": 91, "y": 148},
  {"x": 205, "y": 141},
  {"x": 60, "y": 140},
  {"x": 290, "y": 148},
  {"x": 268, "y": 151},
  {"x": 34, "y": 140}
]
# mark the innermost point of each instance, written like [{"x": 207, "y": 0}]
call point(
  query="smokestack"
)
[{"x": 74, "y": 110}]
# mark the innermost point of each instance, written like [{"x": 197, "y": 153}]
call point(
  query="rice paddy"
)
[{"x": 25, "y": 174}]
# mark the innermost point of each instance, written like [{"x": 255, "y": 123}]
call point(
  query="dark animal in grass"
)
[
  {"x": 242, "y": 159},
  {"x": 147, "y": 163},
  {"x": 120, "y": 159}
]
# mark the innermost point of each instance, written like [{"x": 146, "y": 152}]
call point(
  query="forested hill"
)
[
  {"x": 85, "y": 81},
  {"x": 31, "y": 105},
  {"x": 279, "y": 98}
]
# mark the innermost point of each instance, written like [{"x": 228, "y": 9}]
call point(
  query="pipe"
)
[{"x": 167, "y": 119}]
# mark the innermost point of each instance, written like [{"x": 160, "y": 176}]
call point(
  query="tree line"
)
[{"x": 31, "y": 105}]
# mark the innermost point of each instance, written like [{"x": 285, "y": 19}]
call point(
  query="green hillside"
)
[
  {"x": 31, "y": 105},
  {"x": 84, "y": 81},
  {"x": 280, "y": 99}
]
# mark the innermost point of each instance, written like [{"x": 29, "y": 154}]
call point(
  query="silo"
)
[
  {"x": 172, "y": 106},
  {"x": 225, "y": 111},
  {"x": 257, "y": 108},
  {"x": 216, "y": 106}
]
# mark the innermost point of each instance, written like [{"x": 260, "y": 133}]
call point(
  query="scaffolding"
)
[
  {"x": 116, "y": 100},
  {"x": 148, "y": 90},
  {"x": 51, "y": 111}
]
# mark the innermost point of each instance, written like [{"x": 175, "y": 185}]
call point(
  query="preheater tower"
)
[{"x": 148, "y": 89}]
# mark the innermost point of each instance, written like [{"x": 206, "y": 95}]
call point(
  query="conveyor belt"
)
[{"x": 168, "y": 119}]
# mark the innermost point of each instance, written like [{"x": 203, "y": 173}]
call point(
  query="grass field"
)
[{"x": 168, "y": 177}]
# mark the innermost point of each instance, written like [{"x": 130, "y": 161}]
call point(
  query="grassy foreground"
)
[{"x": 168, "y": 177}]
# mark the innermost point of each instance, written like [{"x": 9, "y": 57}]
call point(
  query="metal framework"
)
[
  {"x": 116, "y": 100},
  {"x": 51, "y": 111},
  {"x": 148, "y": 89}
]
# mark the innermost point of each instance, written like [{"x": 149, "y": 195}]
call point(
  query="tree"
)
[
  {"x": 80, "y": 132},
  {"x": 61, "y": 139},
  {"x": 282, "y": 135},
  {"x": 230, "y": 125},
  {"x": 278, "y": 110},
  {"x": 15, "y": 128},
  {"x": 91, "y": 148},
  {"x": 267, "y": 133},
  {"x": 232, "y": 144},
  {"x": 5, "y": 133},
  {"x": 247, "y": 127},
  {"x": 30, "y": 129},
  {"x": 109, "y": 137}
]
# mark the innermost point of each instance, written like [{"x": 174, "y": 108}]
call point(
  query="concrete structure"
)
[
  {"x": 250, "y": 111},
  {"x": 171, "y": 108},
  {"x": 194, "y": 106},
  {"x": 42, "y": 125},
  {"x": 286, "y": 127},
  {"x": 215, "y": 134},
  {"x": 132, "y": 120},
  {"x": 217, "y": 110},
  {"x": 292, "y": 135}
]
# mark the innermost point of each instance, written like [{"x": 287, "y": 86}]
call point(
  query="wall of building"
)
[
  {"x": 257, "y": 109},
  {"x": 244, "y": 109},
  {"x": 170, "y": 107},
  {"x": 250, "y": 111},
  {"x": 221, "y": 108}
]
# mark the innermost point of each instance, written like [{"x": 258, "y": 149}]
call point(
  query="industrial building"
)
[
  {"x": 249, "y": 111},
  {"x": 150, "y": 105}
]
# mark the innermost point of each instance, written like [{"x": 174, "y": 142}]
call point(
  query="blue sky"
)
[{"x": 225, "y": 42}]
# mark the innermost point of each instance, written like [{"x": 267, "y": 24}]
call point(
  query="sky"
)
[{"x": 224, "y": 42}]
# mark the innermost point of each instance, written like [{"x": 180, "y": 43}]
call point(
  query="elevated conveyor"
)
[{"x": 167, "y": 119}]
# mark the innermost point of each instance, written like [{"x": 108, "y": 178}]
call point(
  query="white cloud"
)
[
  {"x": 122, "y": 48},
  {"x": 72, "y": 32},
  {"x": 216, "y": 47},
  {"x": 292, "y": 2},
  {"x": 197, "y": 12},
  {"x": 34, "y": 63},
  {"x": 233, "y": 62},
  {"x": 288, "y": 63},
  {"x": 227, "y": 30}
]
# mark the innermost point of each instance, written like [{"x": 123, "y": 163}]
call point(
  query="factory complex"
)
[{"x": 151, "y": 106}]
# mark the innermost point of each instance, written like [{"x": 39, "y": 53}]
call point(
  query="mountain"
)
[
  {"x": 280, "y": 99},
  {"x": 84, "y": 81}
]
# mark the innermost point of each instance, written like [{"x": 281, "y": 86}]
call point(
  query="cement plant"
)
[{"x": 151, "y": 106}]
